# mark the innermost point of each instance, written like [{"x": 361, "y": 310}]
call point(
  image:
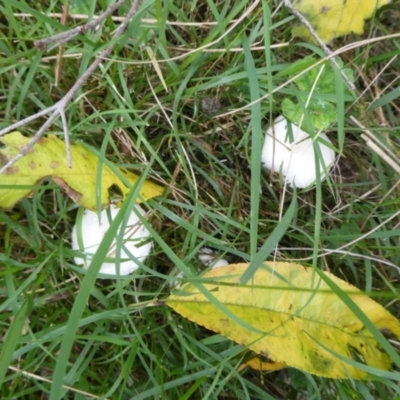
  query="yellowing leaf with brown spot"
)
[
  {"x": 47, "y": 159},
  {"x": 334, "y": 18},
  {"x": 290, "y": 315}
]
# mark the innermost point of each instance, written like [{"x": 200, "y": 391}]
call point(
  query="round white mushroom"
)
[
  {"x": 296, "y": 159},
  {"x": 209, "y": 258},
  {"x": 93, "y": 227}
]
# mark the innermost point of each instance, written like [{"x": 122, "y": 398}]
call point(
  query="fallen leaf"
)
[
  {"x": 290, "y": 315},
  {"x": 47, "y": 159},
  {"x": 334, "y": 18}
]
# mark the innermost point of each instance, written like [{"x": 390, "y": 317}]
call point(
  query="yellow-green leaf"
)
[
  {"x": 47, "y": 159},
  {"x": 257, "y": 363},
  {"x": 334, "y": 18},
  {"x": 304, "y": 324}
]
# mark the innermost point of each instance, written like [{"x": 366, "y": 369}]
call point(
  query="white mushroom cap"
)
[
  {"x": 296, "y": 160},
  {"x": 208, "y": 257},
  {"x": 93, "y": 230}
]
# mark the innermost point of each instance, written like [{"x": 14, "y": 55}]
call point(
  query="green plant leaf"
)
[
  {"x": 316, "y": 96},
  {"x": 321, "y": 113}
]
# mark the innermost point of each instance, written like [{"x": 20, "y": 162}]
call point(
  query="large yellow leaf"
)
[
  {"x": 288, "y": 314},
  {"x": 334, "y": 18},
  {"x": 47, "y": 159}
]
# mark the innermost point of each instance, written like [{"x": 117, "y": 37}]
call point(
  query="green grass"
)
[{"x": 64, "y": 334}]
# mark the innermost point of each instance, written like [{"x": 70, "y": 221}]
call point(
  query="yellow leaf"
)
[
  {"x": 334, "y": 18},
  {"x": 257, "y": 363},
  {"x": 47, "y": 159},
  {"x": 296, "y": 318}
]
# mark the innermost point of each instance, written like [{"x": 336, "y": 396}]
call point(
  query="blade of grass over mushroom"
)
[
  {"x": 85, "y": 292},
  {"x": 12, "y": 335},
  {"x": 272, "y": 241},
  {"x": 256, "y": 145}
]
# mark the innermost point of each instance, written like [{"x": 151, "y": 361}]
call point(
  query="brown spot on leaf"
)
[
  {"x": 54, "y": 164},
  {"x": 320, "y": 362},
  {"x": 224, "y": 321},
  {"x": 13, "y": 170},
  {"x": 32, "y": 165},
  {"x": 10, "y": 170},
  {"x": 3, "y": 159},
  {"x": 71, "y": 193}
]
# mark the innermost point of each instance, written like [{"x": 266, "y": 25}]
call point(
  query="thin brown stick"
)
[
  {"x": 64, "y": 37},
  {"x": 58, "y": 109},
  {"x": 151, "y": 21},
  {"x": 63, "y": 21},
  {"x": 324, "y": 47}
]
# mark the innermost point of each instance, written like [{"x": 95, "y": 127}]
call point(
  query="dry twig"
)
[
  {"x": 58, "y": 109},
  {"x": 59, "y": 62},
  {"x": 66, "y": 36}
]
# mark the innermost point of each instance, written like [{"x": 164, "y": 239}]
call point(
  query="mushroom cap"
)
[
  {"x": 208, "y": 257},
  {"x": 296, "y": 160},
  {"x": 95, "y": 226}
]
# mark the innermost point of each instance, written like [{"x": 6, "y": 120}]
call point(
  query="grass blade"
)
[{"x": 12, "y": 337}]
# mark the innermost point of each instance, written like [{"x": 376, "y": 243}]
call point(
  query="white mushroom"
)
[
  {"x": 295, "y": 159},
  {"x": 209, "y": 258},
  {"x": 91, "y": 231}
]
